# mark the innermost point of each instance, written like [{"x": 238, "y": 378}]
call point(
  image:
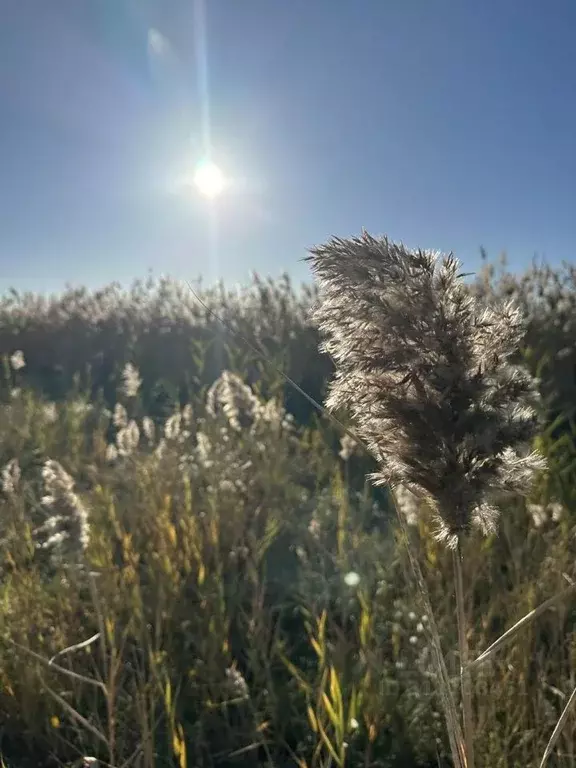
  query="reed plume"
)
[{"x": 427, "y": 373}]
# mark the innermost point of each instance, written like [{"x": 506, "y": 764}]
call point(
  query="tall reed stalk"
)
[
  {"x": 465, "y": 675},
  {"x": 426, "y": 371}
]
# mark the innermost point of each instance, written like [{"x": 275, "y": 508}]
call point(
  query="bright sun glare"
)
[{"x": 209, "y": 180}]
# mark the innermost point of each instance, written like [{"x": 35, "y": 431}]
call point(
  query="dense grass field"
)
[{"x": 196, "y": 572}]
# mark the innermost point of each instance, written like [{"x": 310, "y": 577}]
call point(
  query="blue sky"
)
[{"x": 445, "y": 123}]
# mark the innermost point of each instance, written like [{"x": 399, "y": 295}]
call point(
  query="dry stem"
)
[{"x": 465, "y": 677}]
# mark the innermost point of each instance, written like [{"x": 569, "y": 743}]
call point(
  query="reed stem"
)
[{"x": 465, "y": 676}]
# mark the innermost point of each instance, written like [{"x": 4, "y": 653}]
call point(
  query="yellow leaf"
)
[
  {"x": 54, "y": 722},
  {"x": 316, "y": 645},
  {"x": 179, "y": 746},
  {"x": 331, "y": 713},
  {"x": 187, "y": 494},
  {"x": 353, "y": 704},
  {"x": 296, "y": 674},
  {"x": 364, "y": 628},
  {"x": 312, "y": 719},
  {"x": 214, "y": 532},
  {"x": 335, "y": 692},
  {"x": 272, "y": 528},
  {"x": 168, "y": 696},
  {"x": 322, "y": 626}
]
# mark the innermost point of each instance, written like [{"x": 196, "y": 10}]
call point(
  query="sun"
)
[{"x": 209, "y": 180}]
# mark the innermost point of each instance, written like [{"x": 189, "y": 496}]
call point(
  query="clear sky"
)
[{"x": 449, "y": 124}]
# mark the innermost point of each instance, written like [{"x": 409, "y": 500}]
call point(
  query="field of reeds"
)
[{"x": 196, "y": 569}]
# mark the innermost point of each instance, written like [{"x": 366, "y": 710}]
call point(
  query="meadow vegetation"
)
[{"x": 195, "y": 571}]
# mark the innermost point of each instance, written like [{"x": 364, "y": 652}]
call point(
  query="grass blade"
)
[
  {"x": 558, "y": 729},
  {"x": 76, "y": 647},
  {"x": 76, "y": 715},
  {"x": 48, "y": 663},
  {"x": 510, "y": 633}
]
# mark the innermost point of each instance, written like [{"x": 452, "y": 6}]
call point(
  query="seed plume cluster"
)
[
  {"x": 426, "y": 371},
  {"x": 66, "y": 532}
]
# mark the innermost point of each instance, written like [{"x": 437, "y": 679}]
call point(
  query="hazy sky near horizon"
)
[{"x": 447, "y": 124}]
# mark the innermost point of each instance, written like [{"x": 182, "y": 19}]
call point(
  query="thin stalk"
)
[
  {"x": 558, "y": 728},
  {"x": 511, "y": 633},
  {"x": 48, "y": 663},
  {"x": 465, "y": 676},
  {"x": 75, "y": 647},
  {"x": 454, "y": 730},
  {"x": 108, "y": 663}
]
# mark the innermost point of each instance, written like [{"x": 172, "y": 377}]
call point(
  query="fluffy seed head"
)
[
  {"x": 131, "y": 380},
  {"x": 66, "y": 532},
  {"x": 50, "y": 412},
  {"x": 235, "y": 399},
  {"x": 120, "y": 416},
  {"x": 17, "y": 360},
  {"x": 187, "y": 414},
  {"x": 172, "y": 426},
  {"x": 11, "y": 477},
  {"x": 148, "y": 428},
  {"x": 128, "y": 438},
  {"x": 426, "y": 372},
  {"x": 111, "y": 453},
  {"x": 236, "y": 683},
  {"x": 348, "y": 447}
]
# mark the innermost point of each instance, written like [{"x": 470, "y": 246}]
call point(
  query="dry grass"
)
[{"x": 242, "y": 602}]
